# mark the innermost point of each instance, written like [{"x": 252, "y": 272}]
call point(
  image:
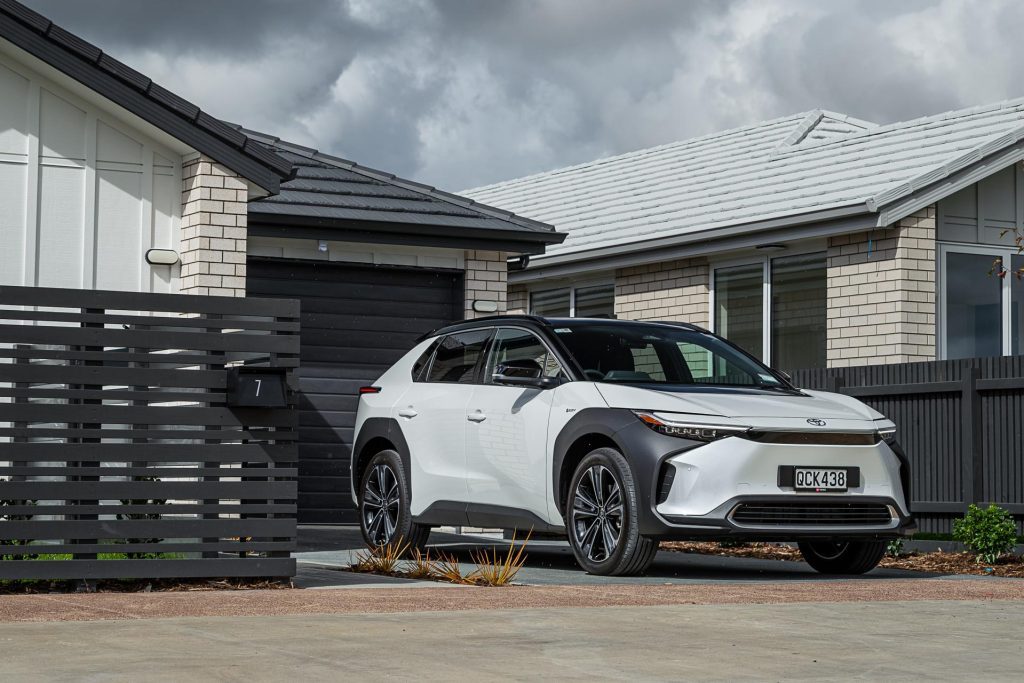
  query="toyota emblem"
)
[{"x": 816, "y": 422}]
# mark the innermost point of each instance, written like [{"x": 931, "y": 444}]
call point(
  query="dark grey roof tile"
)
[
  {"x": 25, "y": 15},
  {"x": 177, "y": 104},
  {"x": 124, "y": 72},
  {"x": 82, "y": 48}
]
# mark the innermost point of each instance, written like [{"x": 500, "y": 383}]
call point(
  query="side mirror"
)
[
  {"x": 523, "y": 372},
  {"x": 785, "y": 375}
]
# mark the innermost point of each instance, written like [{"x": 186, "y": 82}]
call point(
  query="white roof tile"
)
[{"x": 797, "y": 164}]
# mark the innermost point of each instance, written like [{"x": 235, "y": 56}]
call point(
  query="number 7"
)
[{"x": 259, "y": 383}]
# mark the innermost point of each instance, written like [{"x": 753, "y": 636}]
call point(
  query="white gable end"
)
[{"x": 83, "y": 195}]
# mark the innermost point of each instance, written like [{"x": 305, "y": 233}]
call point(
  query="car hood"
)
[{"x": 734, "y": 402}]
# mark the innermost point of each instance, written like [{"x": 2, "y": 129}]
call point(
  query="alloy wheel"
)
[
  {"x": 597, "y": 513},
  {"x": 381, "y": 498}
]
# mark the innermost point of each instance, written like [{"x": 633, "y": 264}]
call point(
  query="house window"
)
[
  {"x": 594, "y": 301},
  {"x": 981, "y": 315},
  {"x": 775, "y": 309}
]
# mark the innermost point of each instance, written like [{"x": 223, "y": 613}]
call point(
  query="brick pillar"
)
[
  {"x": 213, "y": 229},
  {"x": 881, "y": 294},
  {"x": 673, "y": 290},
  {"x": 518, "y": 299},
  {"x": 486, "y": 280}
]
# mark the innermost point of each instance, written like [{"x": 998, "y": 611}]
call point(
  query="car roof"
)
[{"x": 539, "y": 321}]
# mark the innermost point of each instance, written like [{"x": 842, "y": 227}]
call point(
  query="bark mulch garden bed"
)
[{"x": 938, "y": 562}]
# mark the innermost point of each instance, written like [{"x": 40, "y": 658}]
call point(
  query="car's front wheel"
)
[
  {"x": 384, "y": 513},
  {"x": 602, "y": 517},
  {"x": 843, "y": 557}
]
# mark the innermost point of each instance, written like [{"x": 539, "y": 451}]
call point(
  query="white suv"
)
[{"x": 619, "y": 434}]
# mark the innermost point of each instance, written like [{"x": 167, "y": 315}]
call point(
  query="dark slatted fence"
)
[
  {"x": 124, "y": 449},
  {"x": 961, "y": 423}
]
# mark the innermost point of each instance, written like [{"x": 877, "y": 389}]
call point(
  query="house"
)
[
  {"x": 814, "y": 240},
  {"x": 109, "y": 181}
]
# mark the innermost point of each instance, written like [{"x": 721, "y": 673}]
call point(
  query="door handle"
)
[
  {"x": 407, "y": 412},
  {"x": 476, "y": 417}
]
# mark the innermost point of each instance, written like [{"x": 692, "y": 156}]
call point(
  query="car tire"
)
[
  {"x": 385, "y": 515},
  {"x": 601, "y": 514},
  {"x": 842, "y": 557}
]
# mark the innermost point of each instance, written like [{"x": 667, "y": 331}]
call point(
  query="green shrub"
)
[
  {"x": 894, "y": 548},
  {"x": 987, "y": 533}
]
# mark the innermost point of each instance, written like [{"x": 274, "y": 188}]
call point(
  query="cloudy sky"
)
[{"x": 460, "y": 93}]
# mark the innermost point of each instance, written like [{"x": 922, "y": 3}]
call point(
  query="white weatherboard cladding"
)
[{"x": 82, "y": 194}]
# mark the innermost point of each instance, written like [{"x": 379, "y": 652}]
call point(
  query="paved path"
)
[{"x": 947, "y": 641}]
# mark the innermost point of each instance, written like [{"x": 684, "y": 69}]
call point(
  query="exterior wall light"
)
[
  {"x": 161, "y": 257},
  {"x": 485, "y": 306}
]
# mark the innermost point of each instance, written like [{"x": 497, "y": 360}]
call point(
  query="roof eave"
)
[
  {"x": 310, "y": 227},
  {"x": 253, "y": 165}
]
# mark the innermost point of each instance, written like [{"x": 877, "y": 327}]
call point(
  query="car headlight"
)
[{"x": 696, "y": 431}]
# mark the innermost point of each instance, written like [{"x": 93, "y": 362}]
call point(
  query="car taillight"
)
[{"x": 369, "y": 390}]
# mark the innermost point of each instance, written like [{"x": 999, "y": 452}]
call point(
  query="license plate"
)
[{"x": 819, "y": 479}]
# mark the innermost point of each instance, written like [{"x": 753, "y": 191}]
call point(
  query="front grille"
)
[{"x": 812, "y": 514}]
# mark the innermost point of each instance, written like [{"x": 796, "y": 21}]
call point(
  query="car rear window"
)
[{"x": 457, "y": 355}]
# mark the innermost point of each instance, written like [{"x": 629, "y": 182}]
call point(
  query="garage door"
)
[{"x": 356, "y": 321}]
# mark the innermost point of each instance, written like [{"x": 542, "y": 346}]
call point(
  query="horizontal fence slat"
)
[
  {"x": 41, "y": 530},
  {"x": 135, "y": 301},
  {"x": 148, "y": 569},
  {"x": 106, "y": 376},
  {"x": 160, "y": 434},
  {"x": 903, "y": 389},
  {"x": 1001, "y": 384},
  {"x": 226, "y": 508},
  {"x": 148, "y": 339},
  {"x": 152, "y": 321},
  {"x": 156, "y": 490},
  {"x": 113, "y": 470},
  {"x": 115, "y": 414},
  {"x": 150, "y": 396},
  {"x": 226, "y": 546},
  {"x": 149, "y": 452}
]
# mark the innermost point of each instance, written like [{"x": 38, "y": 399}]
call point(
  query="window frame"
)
[
  {"x": 765, "y": 261},
  {"x": 1004, "y": 252},
  {"x": 477, "y": 369},
  {"x": 492, "y": 344},
  {"x": 572, "y": 287}
]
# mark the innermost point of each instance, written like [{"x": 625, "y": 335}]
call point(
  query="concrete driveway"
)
[{"x": 324, "y": 550}]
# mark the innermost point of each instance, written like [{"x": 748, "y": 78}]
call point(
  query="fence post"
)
[
  {"x": 972, "y": 461},
  {"x": 835, "y": 384}
]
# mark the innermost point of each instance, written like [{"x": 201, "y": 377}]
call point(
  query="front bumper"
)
[{"x": 716, "y": 489}]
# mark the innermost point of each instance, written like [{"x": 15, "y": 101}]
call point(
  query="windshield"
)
[{"x": 656, "y": 354}]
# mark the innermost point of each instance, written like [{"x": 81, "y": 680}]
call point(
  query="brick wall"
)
[
  {"x": 518, "y": 299},
  {"x": 213, "y": 229},
  {"x": 486, "y": 280},
  {"x": 881, "y": 296},
  {"x": 674, "y": 290}
]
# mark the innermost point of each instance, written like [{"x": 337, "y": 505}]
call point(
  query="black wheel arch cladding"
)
[
  {"x": 379, "y": 430},
  {"x": 644, "y": 450}
]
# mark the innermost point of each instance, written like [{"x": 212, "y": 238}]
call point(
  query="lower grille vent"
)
[{"x": 812, "y": 514}]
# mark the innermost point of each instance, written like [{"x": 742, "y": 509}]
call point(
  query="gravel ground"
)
[{"x": 106, "y": 606}]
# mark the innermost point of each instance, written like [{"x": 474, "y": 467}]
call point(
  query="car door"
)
[
  {"x": 432, "y": 416},
  {"x": 506, "y": 438}
]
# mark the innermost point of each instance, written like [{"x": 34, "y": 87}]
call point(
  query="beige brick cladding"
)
[
  {"x": 213, "y": 229},
  {"x": 518, "y": 299},
  {"x": 673, "y": 290},
  {"x": 486, "y": 280},
  {"x": 881, "y": 300}
]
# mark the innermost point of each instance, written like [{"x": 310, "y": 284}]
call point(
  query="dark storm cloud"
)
[{"x": 465, "y": 92}]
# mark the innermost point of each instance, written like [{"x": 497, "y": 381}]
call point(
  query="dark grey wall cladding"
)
[
  {"x": 119, "y": 434},
  {"x": 961, "y": 423}
]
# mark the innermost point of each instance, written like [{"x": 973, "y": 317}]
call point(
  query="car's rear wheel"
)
[
  {"x": 384, "y": 513},
  {"x": 843, "y": 557},
  {"x": 602, "y": 517}
]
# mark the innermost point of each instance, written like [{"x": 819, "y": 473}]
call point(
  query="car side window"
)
[
  {"x": 457, "y": 355},
  {"x": 420, "y": 366},
  {"x": 519, "y": 345}
]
